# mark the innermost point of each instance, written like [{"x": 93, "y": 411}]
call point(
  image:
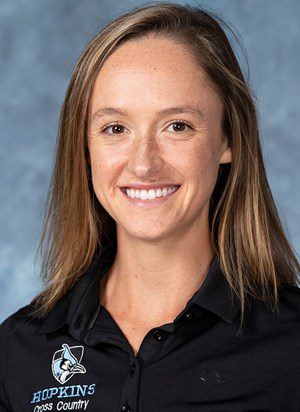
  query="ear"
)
[{"x": 226, "y": 152}]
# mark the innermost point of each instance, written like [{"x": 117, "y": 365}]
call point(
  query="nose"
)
[{"x": 145, "y": 157}]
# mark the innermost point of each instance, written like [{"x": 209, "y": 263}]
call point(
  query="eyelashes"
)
[{"x": 119, "y": 125}]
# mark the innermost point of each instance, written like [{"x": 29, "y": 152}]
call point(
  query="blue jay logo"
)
[{"x": 66, "y": 362}]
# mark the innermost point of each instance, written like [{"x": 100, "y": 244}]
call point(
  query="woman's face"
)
[{"x": 138, "y": 83}]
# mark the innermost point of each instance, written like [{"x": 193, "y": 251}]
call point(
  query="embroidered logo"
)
[{"x": 66, "y": 362}]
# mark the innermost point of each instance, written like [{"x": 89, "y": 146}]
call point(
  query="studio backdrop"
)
[{"x": 40, "y": 43}]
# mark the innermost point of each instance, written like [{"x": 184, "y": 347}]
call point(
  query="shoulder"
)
[
  {"x": 20, "y": 322},
  {"x": 283, "y": 319},
  {"x": 15, "y": 331},
  {"x": 290, "y": 296},
  {"x": 289, "y": 303}
]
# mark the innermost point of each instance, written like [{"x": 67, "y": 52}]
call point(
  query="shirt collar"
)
[
  {"x": 214, "y": 294},
  {"x": 80, "y": 305}
]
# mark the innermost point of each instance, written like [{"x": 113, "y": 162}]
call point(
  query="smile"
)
[
  {"x": 150, "y": 194},
  {"x": 149, "y": 198}
]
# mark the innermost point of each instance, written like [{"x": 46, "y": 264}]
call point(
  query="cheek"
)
[
  {"x": 199, "y": 165},
  {"x": 101, "y": 172},
  {"x": 103, "y": 164},
  {"x": 106, "y": 167}
]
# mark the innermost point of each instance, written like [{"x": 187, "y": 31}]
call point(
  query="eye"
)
[
  {"x": 180, "y": 126},
  {"x": 119, "y": 128},
  {"x": 116, "y": 127}
]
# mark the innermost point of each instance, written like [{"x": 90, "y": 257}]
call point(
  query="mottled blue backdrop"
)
[{"x": 40, "y": 43}]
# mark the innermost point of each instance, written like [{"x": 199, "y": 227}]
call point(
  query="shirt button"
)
[
  {"x": 132, "y": 369},
  {"x": 126, "y": 408},
  {"x": 157, "y": 335},
  {"x": 188, "y": 315}
]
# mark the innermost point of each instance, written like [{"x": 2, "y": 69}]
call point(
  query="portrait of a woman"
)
[{"x": 170, "y": 285}]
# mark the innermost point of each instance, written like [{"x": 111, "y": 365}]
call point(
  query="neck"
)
[{"x": 154, "y": 280}]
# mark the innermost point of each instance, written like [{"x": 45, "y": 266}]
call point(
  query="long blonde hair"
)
[{"x": 249, "y": 240}]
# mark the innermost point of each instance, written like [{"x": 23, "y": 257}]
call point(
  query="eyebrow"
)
[{"x": 168, "y": 111}]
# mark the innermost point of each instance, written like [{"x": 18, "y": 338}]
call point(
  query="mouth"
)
[{"x": 151, "y": 198}]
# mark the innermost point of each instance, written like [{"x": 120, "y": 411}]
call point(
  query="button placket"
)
[
  {"x": 132, "y": 369},
  {"x": 130, "y": 387}
]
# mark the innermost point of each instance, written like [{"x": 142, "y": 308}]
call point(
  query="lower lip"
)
[{"x": 151, "y": 202}]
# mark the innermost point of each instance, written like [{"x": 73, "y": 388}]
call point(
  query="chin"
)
[{"x": 148, "y": 233}]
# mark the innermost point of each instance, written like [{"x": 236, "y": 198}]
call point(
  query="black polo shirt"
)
[{"x": 77, "y": 358}]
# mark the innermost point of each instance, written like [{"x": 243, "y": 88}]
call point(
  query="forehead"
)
[
  {"x": 153, "y": 52},
  {"x": 153, "y": 70}
]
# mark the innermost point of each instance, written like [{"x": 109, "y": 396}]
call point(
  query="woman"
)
[{"x": 170, "y": 284}]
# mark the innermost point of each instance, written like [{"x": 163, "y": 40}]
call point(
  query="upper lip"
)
[{"x": 149, "y": 186}]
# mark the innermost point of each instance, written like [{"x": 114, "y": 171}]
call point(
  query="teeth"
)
[{"x": 150, "y": 194}]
